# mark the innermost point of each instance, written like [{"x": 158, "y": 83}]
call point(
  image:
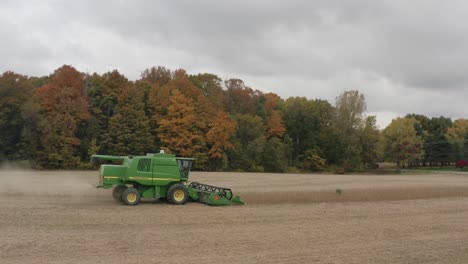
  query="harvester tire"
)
[
  {"x": 131, "y": 196},
  {"x": 177, "y": 194},
  {"x": 118, "y": 191}
]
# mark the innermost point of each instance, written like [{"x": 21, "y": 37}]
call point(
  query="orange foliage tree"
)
[
  {"x": 177, "y": 131},
  {"x": 218, "y": 139},
  {"x": 64, "y": 105},
  {"x": 276, "y": 127}
]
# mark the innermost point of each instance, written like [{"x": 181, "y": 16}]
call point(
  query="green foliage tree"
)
[
  {"x": 15, "y": 99},
  {"x": 308, "y": 124},
  {"x": 402, "y": 144},
  {"x": 249, "y": 143},
  {"x": 275, "y": 155},
  {"x": 456, "y": 135},
  {"x": 349, "y": 121},
  {"x": 465, "y": 148},
  {"x": 129, "y": 125},
  {"x": 39, "y": 81},
  {"x": 223, "y": 124},
  {"x": 313, "y": 161},
  {"x": 211, "y": 87},
  {"x": 103, "y": 92},
  {"x": 437, "y": 147},
  {"x": 369, "y": 139}
]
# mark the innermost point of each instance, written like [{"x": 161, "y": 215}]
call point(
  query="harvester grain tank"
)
[{"x": 158, "y": 176}]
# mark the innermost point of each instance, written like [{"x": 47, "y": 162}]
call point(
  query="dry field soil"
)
[{"x": 59, "y": 217}]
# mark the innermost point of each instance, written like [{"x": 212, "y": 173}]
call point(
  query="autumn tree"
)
[
  {"x": 159, "y": 80},
  {"x": 402, "y": 144},
  {"x": 275, "y": 124},
  {"x": 203, "y": 110},
  {"x": 176, "y": 131},
  {"x": 156, "y": 75},
  {"x": 239, "y": 99},
  {"x": 64, "y": 105},
  {"x": 218, "y": 139}
]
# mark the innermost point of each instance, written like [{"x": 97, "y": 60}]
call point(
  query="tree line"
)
[{"x": 58, "y": 121}]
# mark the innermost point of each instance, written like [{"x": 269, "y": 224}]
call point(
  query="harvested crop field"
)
[{"x": 58, "y": 217}]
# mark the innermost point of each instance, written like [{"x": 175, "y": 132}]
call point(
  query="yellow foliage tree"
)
[
  {"x": 177, "y": 131},
  {"x": 219, "y": 135}
]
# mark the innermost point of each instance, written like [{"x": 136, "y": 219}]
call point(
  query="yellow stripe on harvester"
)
[
  {"x": 111, "y": 177},
  {"x": 149, "y": 179},
  {"x": 141, "y": 178},
  {"x": 165, "y": 179}
]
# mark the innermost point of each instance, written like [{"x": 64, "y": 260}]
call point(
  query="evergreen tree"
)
[
  {"x": 249, "y": 143},
  {"x": 15, "y": 102},
  {"x": 129, "y": 126},
  {"x": 465, "y": 147},
  {"x": 369, "y": 140},
  {"x": 275, "y": 155},
  {"x": 104, "y": 92}
]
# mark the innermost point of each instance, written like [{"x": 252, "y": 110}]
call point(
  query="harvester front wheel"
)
[
  {"x": 177, "y": 194},
  {"x": 131, "y": 196},
  {"x": 118, "y": 191}
]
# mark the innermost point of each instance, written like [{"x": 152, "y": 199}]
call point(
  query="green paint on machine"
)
[{"x": 158, "y": 176}]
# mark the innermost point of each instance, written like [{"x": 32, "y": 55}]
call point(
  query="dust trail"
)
[
  {"x": 26, "y": 182},
  {"x": 353, "y": 195}
]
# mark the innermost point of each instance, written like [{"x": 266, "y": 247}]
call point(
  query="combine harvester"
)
[{"x": 158, "y": 176}]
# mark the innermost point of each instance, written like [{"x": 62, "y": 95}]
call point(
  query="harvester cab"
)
[{"x": 160, "y": 176}]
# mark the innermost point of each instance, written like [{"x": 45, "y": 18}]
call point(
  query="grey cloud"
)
[{"x": 401, "y": 54}]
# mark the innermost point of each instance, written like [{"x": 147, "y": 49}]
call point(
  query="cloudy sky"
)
[{"x": 405, "y": 56}]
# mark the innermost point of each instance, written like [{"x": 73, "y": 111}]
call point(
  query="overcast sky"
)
[{"x": 404, "y": 56}]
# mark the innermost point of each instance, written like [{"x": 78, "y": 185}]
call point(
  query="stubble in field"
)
[{"x": 59, "y": 217}]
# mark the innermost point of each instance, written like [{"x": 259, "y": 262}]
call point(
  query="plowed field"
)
[{"x": 59, "y": 217}]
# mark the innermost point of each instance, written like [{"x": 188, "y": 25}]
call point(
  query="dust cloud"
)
[
  {"x": 353, "y": 195},
  {"x": 18, "y": 181}
]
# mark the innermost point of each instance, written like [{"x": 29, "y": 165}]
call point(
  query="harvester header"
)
[{"x": 159, "y": 176}]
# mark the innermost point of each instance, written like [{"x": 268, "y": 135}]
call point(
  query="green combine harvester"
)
[{"x": 158, "y": 176}]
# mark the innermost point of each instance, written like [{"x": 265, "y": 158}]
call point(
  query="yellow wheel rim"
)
[
  {"x": 131, "y": 197},
  {"x": 179, "y": 195}
]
